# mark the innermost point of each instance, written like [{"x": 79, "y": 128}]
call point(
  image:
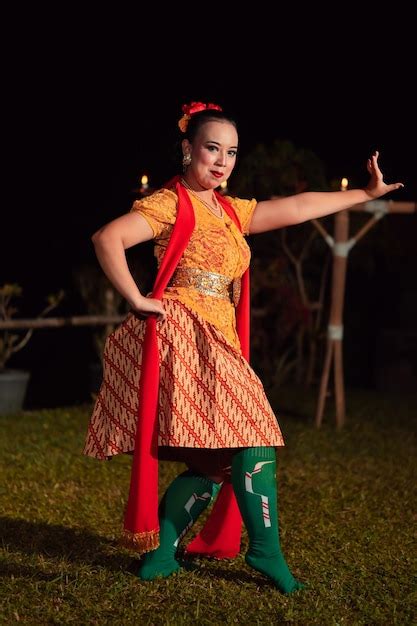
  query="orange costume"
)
[
  {"x": 209, "y": 397},
  {"x": 186, "y": 381}
]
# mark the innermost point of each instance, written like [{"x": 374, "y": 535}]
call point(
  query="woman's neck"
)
[
  {"x": 207, "y": 197},
  {"x": 196, "y": 188}
]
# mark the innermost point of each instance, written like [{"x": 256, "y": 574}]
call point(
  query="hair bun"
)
[{"x": 194, "y": 107}]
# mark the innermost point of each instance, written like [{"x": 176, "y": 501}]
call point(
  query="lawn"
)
[{"x": 347, "y": 516}]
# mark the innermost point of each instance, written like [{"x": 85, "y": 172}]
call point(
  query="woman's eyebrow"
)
[{"x": 218, "y": 143}]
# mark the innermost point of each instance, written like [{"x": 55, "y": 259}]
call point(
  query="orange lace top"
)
[{"x": 216, "y": 245}]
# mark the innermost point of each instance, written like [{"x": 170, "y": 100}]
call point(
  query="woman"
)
[{"x": 177, "y": 384}]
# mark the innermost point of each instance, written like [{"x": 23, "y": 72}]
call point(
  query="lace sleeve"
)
[
  {"x": 244, "y": 210},
  {"x": 159, "y": 210}
]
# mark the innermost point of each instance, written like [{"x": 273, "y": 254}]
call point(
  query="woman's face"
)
[{"x": 213, "y": 154}]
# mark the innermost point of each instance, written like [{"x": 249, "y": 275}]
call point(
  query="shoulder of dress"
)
[
  {"x": 237, "y": 199},
  {"x": 163, "y": 196},
  {"x": 168, "y": 193},
  {"x": 239, "y": 202},
  {"x": 233, "y": 199}
]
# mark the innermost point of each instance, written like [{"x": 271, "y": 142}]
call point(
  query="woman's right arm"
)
[{"x": 110, "y": 243}]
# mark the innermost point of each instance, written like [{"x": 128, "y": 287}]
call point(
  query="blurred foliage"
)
[
  {"x": 279, "y": 314},
  {"x": 10, "y": 342},
  {"x": 100, "y": 298},
  {"x": 278, "y": 169}
]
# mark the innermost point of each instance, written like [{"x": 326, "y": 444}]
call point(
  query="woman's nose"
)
[{"x": 221, "y": 157}]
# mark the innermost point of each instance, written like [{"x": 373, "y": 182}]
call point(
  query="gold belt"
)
[{"x": 208, "y": 283}]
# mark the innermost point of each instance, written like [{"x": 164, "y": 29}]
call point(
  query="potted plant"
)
[{"x": 13, "y": 382}]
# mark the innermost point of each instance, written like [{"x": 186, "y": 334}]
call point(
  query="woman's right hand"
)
[{"x": 149, "y": 306}]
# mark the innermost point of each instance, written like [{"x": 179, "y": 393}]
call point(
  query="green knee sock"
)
[
  {"x": 186, "y": 497},
  {"x": 254, "y": 484}
]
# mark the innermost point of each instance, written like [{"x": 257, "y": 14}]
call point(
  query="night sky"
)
[
  {"x": 78, "y": 150},
  {"x": 89, "y": 111}
]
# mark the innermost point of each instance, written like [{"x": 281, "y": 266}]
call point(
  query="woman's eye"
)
[{"x": 231, "y": 153}]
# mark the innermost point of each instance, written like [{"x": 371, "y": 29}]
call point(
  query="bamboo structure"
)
[
  {"x": 59, "y": 322},
  {"x": 341, "y": 246}
]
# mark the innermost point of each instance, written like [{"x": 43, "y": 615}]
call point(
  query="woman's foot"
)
[
  {"x": 185, "y": 499},
  {"x": 276, "y": 568},
  {"x": 153, "y": 566},
  {"x": 254, "y": 484}
]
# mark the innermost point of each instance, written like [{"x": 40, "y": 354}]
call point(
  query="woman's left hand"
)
[{"x": 376, "y": 186}]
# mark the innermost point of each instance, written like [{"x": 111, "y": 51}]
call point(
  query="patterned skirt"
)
[{"x": 209, "y": 396}]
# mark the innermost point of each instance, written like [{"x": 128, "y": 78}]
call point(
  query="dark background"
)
[{"x": 91, "y": 105}]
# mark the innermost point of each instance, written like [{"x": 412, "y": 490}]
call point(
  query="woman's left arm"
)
[{"x": 272, "y": 214}]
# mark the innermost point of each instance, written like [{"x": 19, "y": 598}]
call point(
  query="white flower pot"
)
[{"x": 13, "y": 385}]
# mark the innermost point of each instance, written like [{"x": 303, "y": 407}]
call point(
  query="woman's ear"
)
[{"x": 186, "y": 147}]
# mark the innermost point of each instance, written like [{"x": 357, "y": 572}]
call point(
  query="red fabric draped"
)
[{"x": 221, "y": 535}]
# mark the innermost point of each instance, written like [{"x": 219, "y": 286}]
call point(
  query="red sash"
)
[{"x": 220, "y": 536}]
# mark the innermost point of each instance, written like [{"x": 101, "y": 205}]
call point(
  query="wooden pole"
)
[
  {"x": 335, "y": 330},
  {"x": 341, "y": 244}
]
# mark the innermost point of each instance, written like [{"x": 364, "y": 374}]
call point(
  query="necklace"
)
[{"x": 217, "y": 210}]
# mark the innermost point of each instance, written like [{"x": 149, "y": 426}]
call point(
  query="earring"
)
[{"x": 186, "y": 160}]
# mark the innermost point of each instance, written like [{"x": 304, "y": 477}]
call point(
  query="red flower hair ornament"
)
[{"x": 194, "y": 107}]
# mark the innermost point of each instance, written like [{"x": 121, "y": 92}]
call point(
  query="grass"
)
[{"x": 347, "y": 515}]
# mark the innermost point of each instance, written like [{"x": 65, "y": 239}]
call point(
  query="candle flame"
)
[
  {"x": 223, "y": 185},
  {"x": 144, "y": 180},
  {"x": 344, "y": 184}
]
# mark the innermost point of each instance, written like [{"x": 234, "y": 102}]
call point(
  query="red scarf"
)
[{"x": 220, "y": 536}]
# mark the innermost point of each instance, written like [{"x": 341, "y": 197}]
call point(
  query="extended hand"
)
[{"x": 376, "y": 186}]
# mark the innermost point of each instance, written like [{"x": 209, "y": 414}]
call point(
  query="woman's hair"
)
[{"x": 197, "y": 120}]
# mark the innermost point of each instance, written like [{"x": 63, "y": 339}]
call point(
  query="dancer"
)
[{"x": 177, "y": 382}]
